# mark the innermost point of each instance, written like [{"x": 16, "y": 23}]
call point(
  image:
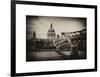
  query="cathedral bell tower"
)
[{"x": 51, "y": 35}]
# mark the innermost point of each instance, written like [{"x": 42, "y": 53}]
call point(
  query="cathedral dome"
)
[
  {"x": 51, "y": 33},
  {"x": 51, "y": 29}
]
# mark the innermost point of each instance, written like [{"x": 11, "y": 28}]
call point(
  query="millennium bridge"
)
[{"x": 74, "y": 42}]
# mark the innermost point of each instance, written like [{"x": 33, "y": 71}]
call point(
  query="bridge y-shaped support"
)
[{"x": 73, "y": 46}]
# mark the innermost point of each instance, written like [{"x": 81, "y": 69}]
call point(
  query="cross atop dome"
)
[{"x": 51, "y": 25}]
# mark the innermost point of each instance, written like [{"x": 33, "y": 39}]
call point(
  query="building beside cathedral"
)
[{"x": 51, "y": 35}]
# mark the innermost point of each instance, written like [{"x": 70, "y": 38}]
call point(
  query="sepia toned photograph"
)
[
  {"x": 55, "y": 38},
  {"x": 52, "y": 38}
]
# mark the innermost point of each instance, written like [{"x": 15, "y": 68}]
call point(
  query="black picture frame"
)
[{"x": 13, "y": 37}]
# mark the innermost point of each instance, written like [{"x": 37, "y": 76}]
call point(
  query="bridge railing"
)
[{"x": 73, "y": 39}]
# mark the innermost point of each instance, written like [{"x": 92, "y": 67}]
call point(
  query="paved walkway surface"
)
[
  {"x": 44, "y": 55},
  {"x": 49, "y": 55}
]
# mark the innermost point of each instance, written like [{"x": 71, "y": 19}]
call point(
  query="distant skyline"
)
[{"x": 41, "y": 24}]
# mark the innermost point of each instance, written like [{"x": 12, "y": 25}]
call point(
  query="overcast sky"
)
[{"x": 41, "y": 24}]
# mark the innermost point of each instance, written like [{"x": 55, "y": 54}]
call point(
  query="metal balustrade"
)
[{"x": 72, "y": 39}]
